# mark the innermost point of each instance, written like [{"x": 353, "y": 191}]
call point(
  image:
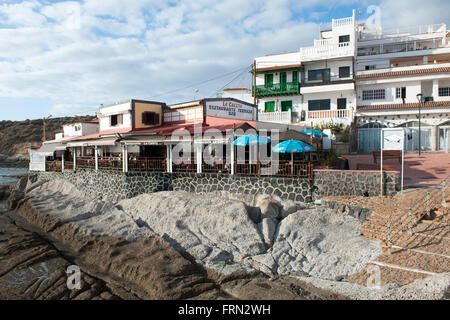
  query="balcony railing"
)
[
  {"x": 327, "y": 50},
  {"x": 53, "y": 166},
  {"x": 110, "y": 163},
  {"x": 147, "y": 164},
  {"x": 281, "y": 168},
  {"x": 338, "y": 116},
  {"x": 277, "y": 88},
  {"x": 85, "y": 163},
  {"x": 278, "y": 117}
]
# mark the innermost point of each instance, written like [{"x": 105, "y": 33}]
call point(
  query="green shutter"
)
[
  {"x": 269, "y": 80},
  {"x": 269, "y": 106},
  {"x": 294, "y": 76},
  {"x": 286, "y": 105}
]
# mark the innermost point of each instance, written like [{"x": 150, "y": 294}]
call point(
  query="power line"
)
[
  {"x": 197, "y": 84},
  {"x": 238, "y": 76}
]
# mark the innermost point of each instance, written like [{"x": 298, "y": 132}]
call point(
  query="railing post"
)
[
  {"x": 62, "y": 163},
  {"x": 74, "y": 151},
  {"x": 125, "y": 158},
  {"x": 199, "y": 155},
  {"x": 428, "y": 200},
  {"x": 96, "y": 158}
]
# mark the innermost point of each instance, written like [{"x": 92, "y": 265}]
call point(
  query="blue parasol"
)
[
  {"x": 316, "y": 133},
  {"x": 291, "y": 146},
  {"x": 251, "y": 140}
]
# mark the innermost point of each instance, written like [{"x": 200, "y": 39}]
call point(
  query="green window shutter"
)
[
  {"x": 294, "y": 76},
  {"x": 269, "y": 106},
  {"x": 286, "y": 105},
  {"x": 269, "y": 80}
]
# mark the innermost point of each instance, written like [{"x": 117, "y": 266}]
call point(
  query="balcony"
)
[
  {"x": 277, "y": 117},
  {"x": 325, "y": 49},
  {"x": 277, "y": 89},
  {"x": 336, "y": 116}
]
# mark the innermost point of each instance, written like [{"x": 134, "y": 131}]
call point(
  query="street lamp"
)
[
  {"x": 420, "y": 99},
  {"x": 43, "y": 127}
]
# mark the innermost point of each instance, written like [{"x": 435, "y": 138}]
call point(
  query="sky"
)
[{"x": 67, "y": 57}]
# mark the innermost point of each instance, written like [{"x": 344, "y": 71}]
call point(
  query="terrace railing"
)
[
  {"x": 85, "y": 163},
  {"x": 147, "y": 164},
  {"x": 277, "y": 88},
  {"x": 109, "y": 163},
  {"x": 55, "y": 166},
  {"x": 221, "y": 167},
  {"x": 185, "y": 166}
]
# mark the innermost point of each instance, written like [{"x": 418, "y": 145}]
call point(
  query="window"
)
[
  {"x": 268, "y": 80},
  {"x": 444, "y": 92},
  {"x": 319, "y": 104},
  {"x": 377, "y": 94},
  {"x": 269, "y": 106},
  {"x": 400, "y": 93},
  {"x": 319, "y": 75},
  {"x": 294, "y": 76},
  {"x": 77, "y": 127},
  {"x": 286, "y": 105},
  {"x": 116, "y": 120},
  {"x": 345, "y": 38},
  {"x": 344, "y": 72},
  {"x": 150, "y": 118},
  {"x": 370, "y": 67},
  {"x": 342, "y": 103}
]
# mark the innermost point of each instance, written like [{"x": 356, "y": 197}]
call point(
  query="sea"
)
[{"x": 5, "y": 172}]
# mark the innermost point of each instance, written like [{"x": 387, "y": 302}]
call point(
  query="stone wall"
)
[
  {"x": 116, "y": 185},
  {"x": 354, "y": 183}
]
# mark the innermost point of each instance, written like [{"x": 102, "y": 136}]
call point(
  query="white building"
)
[
  {"x": 313, "y": 85},
  {"x": 369, "y": 76},
  {"x": 391, "y": 70}
]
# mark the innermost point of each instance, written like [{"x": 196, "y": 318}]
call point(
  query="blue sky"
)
[{"x": 68, "y": 57}]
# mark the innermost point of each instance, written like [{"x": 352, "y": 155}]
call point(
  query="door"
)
[
  {"x": 269, "y": 80},
  {"x": 369, "y": 139},
  {"x": 283, "y": 79},
  {"x": 443, "y": 137},
  {"x": 286, "y": 105},
  {"x": 269, "y": 106}
]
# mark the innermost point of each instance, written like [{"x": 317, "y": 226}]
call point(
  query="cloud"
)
[{"x": 79, "y": 54}]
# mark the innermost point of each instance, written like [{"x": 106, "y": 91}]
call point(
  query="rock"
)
[
  {"x": 288, "y": 207},
  {"x": 4, "y": 191},
  {"x": 270, "y": 209},
  {"x": 268, "y": 227},
  {"x": 322, "y": 243},
  {"x": 265, "y": 263},
  {"x": 14, "y": 199}
]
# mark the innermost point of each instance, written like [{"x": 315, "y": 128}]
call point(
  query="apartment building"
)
[
  {"x": 313, "y": 85},
  {"x": 368, "y": 77},
  {"x": 400, "y": 75}
]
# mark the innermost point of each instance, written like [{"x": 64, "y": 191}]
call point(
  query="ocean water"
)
[{"x": 9, "y": 171}]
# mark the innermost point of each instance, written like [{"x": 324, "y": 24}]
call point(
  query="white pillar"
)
[
  {"x": 434, "y": 137},
  {"x": 448, "y": 141},
  {"x": 169, "y": 158},
  {"x": 125, "y": 158},
  {"x": 62, "y": 163},
  {"x": 232, "y": 157},
  {"x": 435, "y": 92},
  {"x": 74, "y": 151},
  {"x": 96, "y": 158},
  {"x": 199, "y": 154}
]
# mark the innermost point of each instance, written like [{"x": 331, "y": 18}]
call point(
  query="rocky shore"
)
[{"x": 176, "y": 245}]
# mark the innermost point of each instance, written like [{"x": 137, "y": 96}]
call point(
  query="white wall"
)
[
  {"x": 412, "y": 89},
  {"x": 333, "y": 65},
  {"x": 106, "y": 112}
]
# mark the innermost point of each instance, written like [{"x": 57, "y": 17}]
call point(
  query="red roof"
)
[
  {"x": 278, "y": 67},
  {"x": 426, "y": 105},
  {"x": 402, "y": 73}
]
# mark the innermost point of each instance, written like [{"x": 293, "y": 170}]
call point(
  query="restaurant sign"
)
[{"x": 230, "y": 109}]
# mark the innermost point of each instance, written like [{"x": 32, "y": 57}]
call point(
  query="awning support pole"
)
[
  {"x": 198, "y": 150},
  {"x": 74, "y": 151},
  {"x": 125, "y": 158},
  {"x": 96, "y": 158}
]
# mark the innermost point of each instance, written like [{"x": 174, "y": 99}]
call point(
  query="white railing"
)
[
  {"x": 278, "y": 117},
  {"x": 342, "y": 22},
  {"x": 324, "y": 51},
  {"x": 404, "y": 32},
  {"x": 330, "y": 114}
]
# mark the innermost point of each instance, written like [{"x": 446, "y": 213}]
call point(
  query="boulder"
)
[
  {"x": 268, "y": 227},
  {"x": 270, "y": 209}
]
